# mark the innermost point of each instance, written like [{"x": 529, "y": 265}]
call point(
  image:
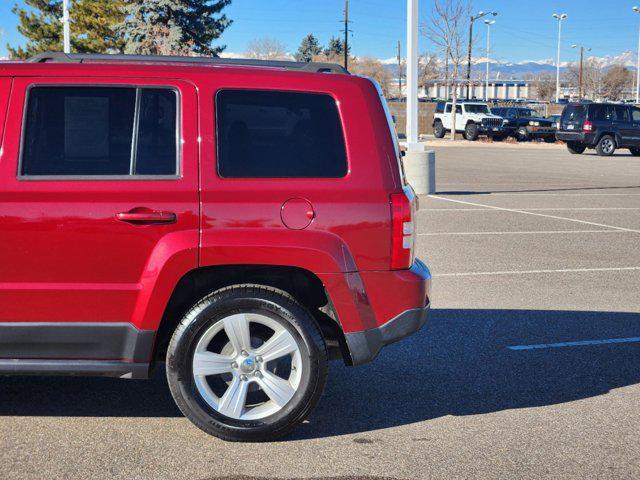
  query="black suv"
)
[
  {"x": 526, "y": 124},
  {"x": 603, "y": 126}
]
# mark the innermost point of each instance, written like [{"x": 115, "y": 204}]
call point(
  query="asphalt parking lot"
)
[{"x": 528, "y": 368}]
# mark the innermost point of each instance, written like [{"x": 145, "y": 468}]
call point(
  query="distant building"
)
[{"x": 498, "y": 89}]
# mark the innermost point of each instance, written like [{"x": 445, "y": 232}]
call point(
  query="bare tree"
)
[
  {"x": 545, "y": 88},
  {"x": 267, "y": 48},
  {"x": 593, "y": 73},
  {"x": 372, "y": 68},
  {"x": 448, "y": 30},
  {"x": 616, "y": 81},
  {"x": 429, "y": 69}
]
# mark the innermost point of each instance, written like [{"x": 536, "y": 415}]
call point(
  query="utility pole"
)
[
  {"x": 65, "y": 27},
  {"x": 412, "y": 74},
  {"x": 472, "y": 19},
  {"x": 346, "y": 34},
  {"x": 399, "y": 71},
  {"x": 560, "y": 18},
  {"x": 637, "y": 10},
  {"x": 580, "y": 74}
]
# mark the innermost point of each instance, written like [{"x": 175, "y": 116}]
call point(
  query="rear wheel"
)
[
  {"x": 471, "y": 132},
  {"x": 247, "y": 363},
  {"x": 635, "y": 152},
  {"x": 606, "y": 146},
  {"x": 439, "y": 130},
  {"x": 575, "y": 148},
  {"x": 522, "y": 134}
]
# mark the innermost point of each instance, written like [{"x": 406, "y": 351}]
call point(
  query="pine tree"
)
[
  {"x": 174, "y": 27},
  {"x": 92, "y": 26},
  {"x": 335, "y": 47},
  {"x": 309, "y": 48}
]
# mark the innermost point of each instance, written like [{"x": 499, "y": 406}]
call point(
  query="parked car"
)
[
  {"x": 555, "y": 119},
  {"x": 603, "y": 126},
  {"x": 242, "y": 224},
  {"x": 526, "y": 124},
  {"x": 472, "y": 119}
]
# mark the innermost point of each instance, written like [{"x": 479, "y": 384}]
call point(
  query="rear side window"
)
[
  {"x": 100, "y": 131},
  {"x": 269, "y": 134}
]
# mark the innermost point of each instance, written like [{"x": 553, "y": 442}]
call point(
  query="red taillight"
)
[
  {"x": 587, "y": 126},
  {"x": 402, "y": 232}
]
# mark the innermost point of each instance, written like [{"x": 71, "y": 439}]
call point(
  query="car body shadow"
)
[{"x": 460, "y": 363}]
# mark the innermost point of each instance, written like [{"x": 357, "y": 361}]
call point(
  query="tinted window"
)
[
  {"x": 474, "y": 108},
  {"x": 448, "y": 108},
  {"x": 459, "y": 109},
  {"x": 279, "y": 134},
  {"x": 621, "y": 113},
  {"x": 89, "y": 131},
  {"x": 575, "y": 114}
]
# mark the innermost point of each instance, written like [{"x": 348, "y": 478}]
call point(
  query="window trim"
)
[
  {"x": 106, "y": 178},
  {"x": 277, "y": 90}
]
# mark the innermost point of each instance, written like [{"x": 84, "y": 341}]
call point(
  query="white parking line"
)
[
  {"x": 562, "y": 194},
  {"x": 529, "y": 272},
  {"x": 581, "y": 343},
  {"x": 524, "y": 212},
  {"x": 427, "y": 209},
  {"x": 528, "y": 232}
]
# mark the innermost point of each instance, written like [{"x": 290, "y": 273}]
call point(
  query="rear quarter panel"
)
[{"x": 5, "y": 90}]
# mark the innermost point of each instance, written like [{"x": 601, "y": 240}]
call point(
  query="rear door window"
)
[
  {"x": 99, "y": 131},
  {"x": 274, "y": 134},
  {"x": 620, "y": 113}
]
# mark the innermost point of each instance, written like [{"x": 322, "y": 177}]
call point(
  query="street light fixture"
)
[
  {"x": 637, "y": 10},
  {"x": 488, "y": 23},
  {"x": 473, "y": 18},
  {"x": 560, "y": 18},
  {"x": 582, "y": 49}
]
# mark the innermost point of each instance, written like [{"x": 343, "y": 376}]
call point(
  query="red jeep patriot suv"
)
[{"x": 243, "y": 222}]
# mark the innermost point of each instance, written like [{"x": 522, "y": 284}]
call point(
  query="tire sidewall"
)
[
  {"x": 600, "y": 149},
  {"x": 471, "y": 132},
  {"x": 438, "y": 130},
  {"x": 207, "y": 313}
]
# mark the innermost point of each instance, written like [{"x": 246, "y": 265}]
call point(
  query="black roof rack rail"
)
[{"x": 60, "y": 57}]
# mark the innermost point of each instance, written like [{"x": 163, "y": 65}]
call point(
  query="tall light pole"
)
[
  {"x": 488, "y": 23},
  {"x": 473, "y": 19},
  {"x": 560, "y": 18},
  {"x": 65, "y": 27},
  {"x": 412, "y": 73},
  {"x": 580, "y": 77},
  {"x": 637, "y": 10}
]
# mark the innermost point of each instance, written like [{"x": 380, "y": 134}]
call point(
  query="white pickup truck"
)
[{"x": 472, "y": 119}]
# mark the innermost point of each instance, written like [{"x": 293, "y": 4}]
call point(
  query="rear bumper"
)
[
  {"x": 588, "y": 138},
  {"x": 391, "y": 305},
  {"x": 365, "y": 346}
]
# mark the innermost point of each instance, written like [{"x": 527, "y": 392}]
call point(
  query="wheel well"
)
[
  {"x": 614, "y": 135},
  {"x": 470, "y": 122},
  {"x": 301, "y": 284}
]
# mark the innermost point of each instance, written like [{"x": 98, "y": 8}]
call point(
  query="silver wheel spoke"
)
[
  {"x": 276, "y": 388},
  {"x": 280, "y": 344},
  {"x": 233, "y": 401},
  {"x": 208, "y": 363},
  {"x": 237, "y": 329}
]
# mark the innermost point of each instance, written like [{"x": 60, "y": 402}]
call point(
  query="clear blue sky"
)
[{"x": 524, "y": 30}]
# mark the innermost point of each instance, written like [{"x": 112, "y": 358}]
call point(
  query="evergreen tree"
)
[
  {"x": 309, "y": 48},
  {"x": 92, "y": 26},
  {"x": 335, "y": 47},
  {"x": 174, "y": 27}
]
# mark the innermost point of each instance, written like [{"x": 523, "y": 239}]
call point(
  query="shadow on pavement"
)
[{"x": 458, "y": 364}]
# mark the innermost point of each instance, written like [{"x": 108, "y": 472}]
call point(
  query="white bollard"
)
[{"x": 420, "y": 169}]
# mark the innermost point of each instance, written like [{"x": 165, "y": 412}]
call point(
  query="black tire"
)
[
  {"x": 635, "y": 152},
  {"x": 278, "y": 306},
  {"x": 439, "y": 130},
  {"x": 522, "y": 134},
  {"x": 606, "y": 146},
  {"x": 471, "y": 132},
  {"x": 575, "y": 148}
]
